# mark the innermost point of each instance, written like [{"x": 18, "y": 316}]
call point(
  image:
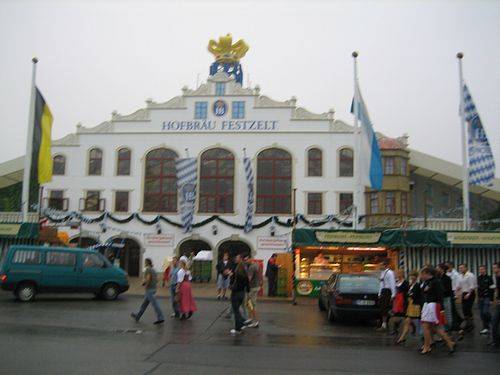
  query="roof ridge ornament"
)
[{"x": 227, "y": 56}]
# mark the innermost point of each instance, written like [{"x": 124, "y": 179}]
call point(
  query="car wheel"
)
[
  {"x": 26, "y": 292},
  {"x": 331, "y": 315},
  {"x": 109, "y": 292},
  {"x": 321, "y": 305}
]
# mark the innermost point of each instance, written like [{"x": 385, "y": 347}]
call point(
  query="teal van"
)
[{"x": 29, "y": 270}]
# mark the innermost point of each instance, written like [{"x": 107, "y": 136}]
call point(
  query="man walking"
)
[
  {"x": 255, "y": 279},
  {"x": 272, "y": 275},
  {"x": 387, "y": 292},
  {"x": 456, "y": 318},
  {"x": 467, "y": 288},
  {"x": 239, "y": 286},
  {"x": 485, "y": 293},
  {"x": 174, "y": 269},
  {"x": 149, "y": 283}
]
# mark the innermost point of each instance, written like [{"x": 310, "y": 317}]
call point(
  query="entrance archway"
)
[
  {"x": 129, "y": 253},
  {"x": 233, "y": 248},
  {"x": 195, "y": 246},
  {"x": 85, "y": 242}
]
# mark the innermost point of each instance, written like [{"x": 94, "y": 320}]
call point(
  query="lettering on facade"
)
[
  {"x": 471, "y": 238},
  {"x": 220, "y": 125},
  {"x": 348, "y": 237}
]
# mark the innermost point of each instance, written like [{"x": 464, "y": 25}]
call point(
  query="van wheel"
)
[
  {"x": 331, "y": 315},
  {"x": 26, "y": 292},
  {"x": 109, "y": 292}
]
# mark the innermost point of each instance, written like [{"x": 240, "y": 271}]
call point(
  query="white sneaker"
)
[
  {"x": 484, "y": 331},
  {"x": 235, "y": 332},
  {"x": 254, "y": 324},
  {"x": 247, "y": 322}
]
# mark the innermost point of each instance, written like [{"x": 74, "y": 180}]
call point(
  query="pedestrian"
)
[
  {"x": 174, "y": 270},
  {"x": 149, "y": 283},
  {"x": 495, "y": 338},
  {"x": 272, "y": 275},
  {"x": 239, "y": 286},
  {"x": 485, "y": 294},
  {"x": 414, "y": 307},
  {"x": 387, "y": 292},
  {"x": 255, "y": 281},
  {"x": 187, "y": 305},
  {"x": 456, "y": 318},
  {"x": 432, "y": 317},
  {"x": 467, "y": 289},
  {"x": 447, "y": 285},
  {"x": 400, "y": 302},
  {"x": 223, "y": 270}
]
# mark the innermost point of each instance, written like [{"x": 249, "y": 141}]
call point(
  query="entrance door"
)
[
  {"x": 193, "y": 246},
  {"x": 233, "y": 248},
  {"x": 130, "y": 255}
]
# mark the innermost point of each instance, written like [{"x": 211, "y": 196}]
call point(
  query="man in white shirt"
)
[
  {"x": 453, "y": 275},
  {"x": 467, "y": 289},
  {"x": 387, "y": 292},
  {"x": 456, "y": 320}
]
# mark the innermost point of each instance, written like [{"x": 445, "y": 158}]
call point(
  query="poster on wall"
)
[
  {"x": 160, "y": 240},
  {"x": 277, "y": 244}
]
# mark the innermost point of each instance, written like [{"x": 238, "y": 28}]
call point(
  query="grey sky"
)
[{"x": 99, "y": 56}]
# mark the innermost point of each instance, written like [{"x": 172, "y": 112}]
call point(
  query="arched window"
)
[
  {"x": 95, "y": 162},
  {"x": 58, "y": 165},
  {"x": 274, "y": 182},
  {"x": 160, "y": 181},
  {"x": 314, "y": 162},
  {"x": 216, "y": 181},
  {"x": 123, "y": 162},
  {"x": 346, "y": 162}
]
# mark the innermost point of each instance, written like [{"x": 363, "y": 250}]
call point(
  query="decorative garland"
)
[{"x": 54, "y": 217}]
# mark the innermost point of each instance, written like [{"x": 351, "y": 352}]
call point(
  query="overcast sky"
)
[{"x": 98, "y": 56}]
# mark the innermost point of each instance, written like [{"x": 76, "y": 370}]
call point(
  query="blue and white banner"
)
[
  {"x": 481, "y": 162},
  {"x": 247, "y": 164},
  {"x": 186, "y": 183},
  {"x": 372, "y": 173}
]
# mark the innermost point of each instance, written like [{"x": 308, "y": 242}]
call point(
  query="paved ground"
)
[{"x": 67, "y": 334}]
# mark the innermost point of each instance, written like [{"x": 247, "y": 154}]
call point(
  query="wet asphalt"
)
[{"x": 68, "y": 334}]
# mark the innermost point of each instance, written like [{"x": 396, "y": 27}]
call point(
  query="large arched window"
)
[
  {"x": 160, "y": 181},
  {"x": 314, "y": 162},
  {"x": 346, "y": 162},
  {"x": 216, "y": 181},
  {"x": 58, "y": 165},
  {"x": 95, "y": 162},
  {"x": 274, "y": 182},
  {"x": 123, "y": 162}
]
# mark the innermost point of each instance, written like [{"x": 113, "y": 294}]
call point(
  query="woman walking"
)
[
  {"x": 240, "y": 285},
  {"x": 432, "y": 314},
  {"x": 414, "y": 303},
  {"x": 400, "y": 302},
  {"x": 187, "y": 306}
]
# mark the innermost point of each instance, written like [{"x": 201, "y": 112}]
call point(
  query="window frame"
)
[
  {"x": 218, "y": 180},
  {"x": 405, "y": 200},
  {"x": 99, "y": 199},
  {"x": 120, "y": 158},
  {"x": 220, "y": 88},
  {"x": 386, "y": 160},
  {"x": 320, "y": 204},
  {"x": 115, "y": 196},
  {"x": 314, "y": 159},
  {"x": 161, "y": 177},
  {"x": 339, "y": 162},
  {"x": 200, "y": 110},
  {"x": 393, "y": 200},
  {"x": 373, "y": 197},
  {"x": 273, "y": 196},
  {"x": 90, "y": 159},
  {"x": 64, "y": 165},
  {"x": 238, "y": 109},
  {"x": 339, "y": 195}
]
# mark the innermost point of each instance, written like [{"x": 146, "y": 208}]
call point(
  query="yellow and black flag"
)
[{"x": 41, "y": 156}]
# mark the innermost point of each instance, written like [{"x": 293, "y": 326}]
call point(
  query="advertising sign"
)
[
  {"x": 163, "y": 239},
  {"x": 473, "y": 238},
  {"x": 272, "y": 243},
  {"x": 345, "y": 236},
  {"x": 9, "y": 229}
]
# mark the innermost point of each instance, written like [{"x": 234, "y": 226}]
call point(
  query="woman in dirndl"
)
[
  {"x": 414, "y": 298},
  {"x": 187, "y": 306},
  {"x": 432, "y": 317}
]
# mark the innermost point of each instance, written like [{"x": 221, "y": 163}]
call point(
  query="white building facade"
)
[{"x": 125, "y": 167}]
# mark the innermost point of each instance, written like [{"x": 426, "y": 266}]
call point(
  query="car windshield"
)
[{"x": 358, "y": 284}]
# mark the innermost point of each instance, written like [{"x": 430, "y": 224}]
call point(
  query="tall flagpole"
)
[
  {"x": 357, "y": 159},
  {"x": 29, "y": 145},
  {"x": 465, "y": 149}
]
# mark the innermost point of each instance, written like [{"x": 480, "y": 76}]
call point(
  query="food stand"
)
[{"x": 320, "y": 253}]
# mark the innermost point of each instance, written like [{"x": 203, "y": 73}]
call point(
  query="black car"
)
[{"x": 352, "y": 295}]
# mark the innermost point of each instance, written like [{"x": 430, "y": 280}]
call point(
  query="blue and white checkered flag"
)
[
  {"x": 186, "y": 183},
  {"x": 247, "y": 164},
  {"x": 481, "y": 162}
]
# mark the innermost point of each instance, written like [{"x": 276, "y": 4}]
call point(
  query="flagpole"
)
[
  {"x": 29, "y": 145},
  {"x": 357, "y": 164},
  {"x": 465, "y": 151}
]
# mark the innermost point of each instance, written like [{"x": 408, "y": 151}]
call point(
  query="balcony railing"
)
[
  {"x": 17, "y": 217},
  {"x": 92, "y": 204},
  {"x": 436, "y": 223},
  {"x": 61, "y": 204}
]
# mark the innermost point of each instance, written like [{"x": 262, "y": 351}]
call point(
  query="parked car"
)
[
  {"x": 29, "y": 270},
  {"x": 350, "y": 296}
]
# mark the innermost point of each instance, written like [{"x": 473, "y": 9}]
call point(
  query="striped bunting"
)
[
  {"x": 247, "y": 164},
  {"x": 481, "y": 162},
  {"x": 186, "y": 183}
]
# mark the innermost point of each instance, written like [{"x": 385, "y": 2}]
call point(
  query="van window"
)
[
  {"x": 92, "y": 261},
  {"x": 59, "y": 258},
  {"x": 26, "y": 257}
]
